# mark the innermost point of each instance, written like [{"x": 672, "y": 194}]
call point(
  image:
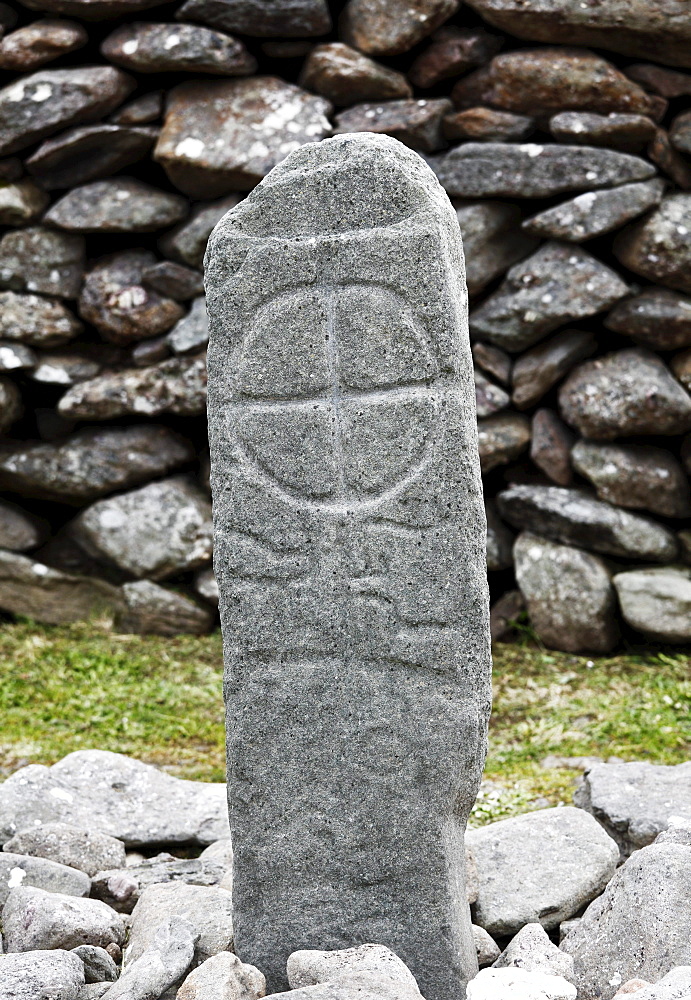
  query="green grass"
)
[{"x": 69, "y": 688}]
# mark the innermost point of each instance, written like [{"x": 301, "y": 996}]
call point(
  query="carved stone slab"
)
[{"x": 350, "y": 557}]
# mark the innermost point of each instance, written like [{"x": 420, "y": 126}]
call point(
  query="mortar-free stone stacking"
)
[{"x": 349, "y": 540}]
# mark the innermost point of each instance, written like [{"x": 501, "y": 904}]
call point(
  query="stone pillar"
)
[{"x": 350, "y": 556}]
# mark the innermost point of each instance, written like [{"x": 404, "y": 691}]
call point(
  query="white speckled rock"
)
[
  {"x": 34, "y": 919},
  {"x": 90, "y": 851},
  {"x": 41, "y": 975},
  {"x": 223, "y": 977},
  {"x": 207, "y": 908},
  {"x": 532, "y": 950},
  {"x": 307, "y": 968},
  {"x": 19, "y": 870},
  {"x": 518, "y": 984}
]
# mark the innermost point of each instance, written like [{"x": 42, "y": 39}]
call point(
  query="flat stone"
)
[
  {"x": 225, "y": 135},
  {"x": 33, "y": 919},
  {"x": 488, "y": 125},
  {"x": 122, "y": 887},
  {"x": 191, "y": 333},
  {"x": 550, "y": 446},
  {"x": 187, "y": 242},
  {"x": 92, "y": 462},
  {"x": 262, "y": 18},
  {"x": 173, "y": 280},
  {"x": 177, "y": 48},
  {"x": 519, "y": 984},
  {"x": 569, "y": 595},
  {"x": 40, "y": 260},
  {"x": 540, "y": 867},
  {"x": 88, "y": 152},
  {"x": 354, "y": 986},
  {"x": 115, "y": 300},
  {"x": 499, "y": 540},
  {"x": 532, "y": 950},
  {"x": 310, "y": 967},
  {"x": 33, "y": 320},
  {"x": 223, "y": 977},
  {"x": 638, "y": 927},
  {"x": 622, "y": 394},
  {"x": 530, "y": 170},
  {"x": 636, "y": 801},
  {"x": 573, "y": 517},
  {"x": 501, "y": 439},
  {"x": 18, "y": 870},
  {"x": 290, "y": 541},
  {"x": 659, "y": 247},
  {"x": 33, "y": 590},
  {"x": 16, "y": 357},
  {"x": 493, "y": 360},
  {"x": 390, "y": 27},
  {"x": 120, "y": 205},
  {"x": 89, "y": 851},
  {"x": 150, "y": 352},
  {"x": 489, "y": 398},
  {"x": 535, "y": 372},
  {"x": 632, "y": 27},
  {"x": 492, "y": 241},
  {"x": 99, "y": 967},
  {"x": 21, "y": 203},
  {"x": 656, "y": 317},
  {"x": 415, "y": 123},
  {"x": 93, "y": 10},
  {"x": 162, "y": 965},
  {"x": 660, "y": 80},
  {"x": 657, "y": 602},
  {"x": 626, "y": 132},
  {"x": 114, "y": 794},
  {"x": 205, "y": 585},
  {"x": 452, "y": 51},
  {"x": 36, "y": 106},
  {"x": 680, "y": 133},
  {"x": 35, "y": 44},
  {"x": 140, "y": 111},
  {"x": 154, "y": 610},
  {"x": 19, "y": 530},
  {"x": 638, "y": 476},
  {"x": 11, "y": 407},
  {"x": 672, "y": 163},
  {"x": 596, "y": 212},
  {"x": 345, "y": 76},
  {"x": 174, "y": 386},
  {"x": 543, "y": 81},
  {"x": 68, "y": 366},
  {"x": 207, "y": 908},
  {"x": 156, "y": 531},
  {"x": 554, "y": 286},
  {"x": 41, "y": 975}
]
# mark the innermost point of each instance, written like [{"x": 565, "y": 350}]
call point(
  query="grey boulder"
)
[
  {"x": 191, "y": 333},
  {"x": 99, "y": 967},
  {"x": 90, "y": 851},
  {"x": 636, "y": 801},
  {"x": 35, "y": 919},
  {"x": 676, "y": 985},
  {"x": 569, "y": 594},
  {"x": 118, "y": 205},
  {"x": 637, "y": 476},
  {"x": 572, "y": 517},
  {"x": 532, "y": 950},
  {"x": 38, "y": 259},
  {"x": 487, "y": 948},
  {"x": 154, "y": 610},
  {"x": 162, "y": 964},
  {"x": 639, "y": 927},
  {"x": 519, "y": 984},
  {"x": 155, "y": 531},
  {"x": 595, "y": 212},
  {"x": 41, "y": 975},
  {"x": 129, "y": 800},
  {"x": 308, "y": 967},
  {"x": 492, "y": 241},
  {"x": 657, "y": 602},
  {"x": 223, "y": 977},
  {"x": 354, "y": 986},
  {"x": 19, "y": 531},
  {"x": 541, "y": 867},
  {"x": 207, "y": 908},
  {"x": 122, "y": 887},
  {"x": 16, "y": 869}
]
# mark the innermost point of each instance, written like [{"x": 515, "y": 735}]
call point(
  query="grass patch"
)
[{"x": 77, "y": 687}]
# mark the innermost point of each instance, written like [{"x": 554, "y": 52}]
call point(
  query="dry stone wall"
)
[{"x": 129, "y": 127}]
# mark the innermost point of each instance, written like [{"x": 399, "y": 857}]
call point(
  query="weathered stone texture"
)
[{"x": 350, "y": 544}]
